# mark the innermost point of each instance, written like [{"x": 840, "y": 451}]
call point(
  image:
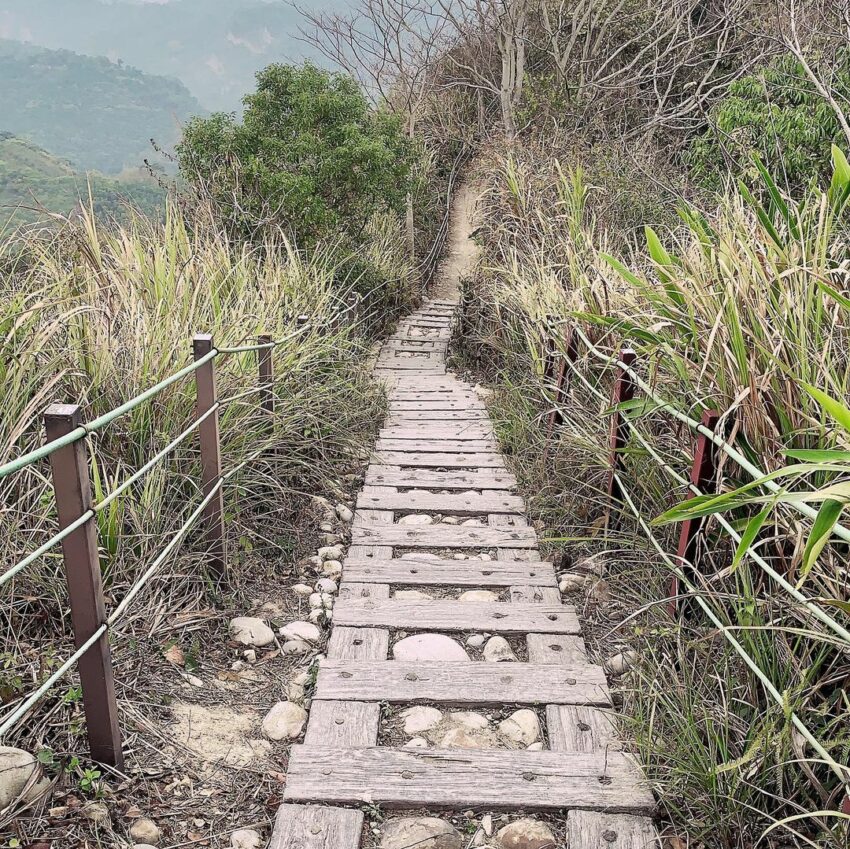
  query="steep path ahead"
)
[{"x": 444, "y": 562}]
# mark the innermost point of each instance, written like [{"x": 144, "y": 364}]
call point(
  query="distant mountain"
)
[
  {"x": 96, "y": 113},
  {"x": 34, "y": 182},
  {"x": 214, "y": 46}
]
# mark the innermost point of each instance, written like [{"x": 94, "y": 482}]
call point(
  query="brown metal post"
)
[
  {"x": 703, "y": 472},
  {"x": 72, "y": 487},
  {"x": 563, "y": 381},
  {"x": 624, "y": 390},
  {"x": 202, "y": 344},
  {"x": 266, "y": 370},
  {"x": 549, "y": 352}
]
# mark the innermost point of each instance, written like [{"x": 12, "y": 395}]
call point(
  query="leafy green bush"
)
[
  {"x": 776, "y": 114},
  {"x": 309, "y": 155}
]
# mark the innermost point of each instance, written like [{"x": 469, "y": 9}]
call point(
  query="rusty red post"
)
[
  {"x": 563, "y": 381},
  {"x": 624, "y": 391},
  {"x": 703, "y": 472},
  {"x": 72, "y": 488},
  {"x": 266, "y": 373},
  {"x": 208, "y": 432}
]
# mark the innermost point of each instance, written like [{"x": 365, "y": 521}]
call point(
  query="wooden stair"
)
[{"x": 437, "y": 455}]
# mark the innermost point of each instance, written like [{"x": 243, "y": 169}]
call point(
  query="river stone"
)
[
  {"x": 451, "y": 520},
  {"x": 302, "y": 589},
  {"x": 478, "y": 595},
  {"x": 332, "y": 569},
  {"x": 473, "y": 523},
  {"x": 17, "y": 767},
  {"x": 250, "y": 631},
  {"x": 246, "y": 838},
  {"x": 476, "y": 641},
  {"x": 326, "y": 585},
  {"x": 145, "y": 830},
  {"x": 285, "y": 721},
  {"x": 526, "y": 834},
  {"x": 416, "y": 519},
  {"x": 344, "y": 513},
  {"x": 621, "y": 663},
  {"x": 331, "y": 552},
  {"x": 291, "y": 647},
  {"x": 469, "y": 719},
  {"x": 421, "y": 832},
  {"x": 463, "y": 738},
  {"x": 420, "y": 718},
  {"x": 571, "y": 583},
  {"x": 416, "y": 743},
  {"x": 411, "y": 595},
  {"x": 497, "y": 650},
  {"x": 306, "y": 631},
  {"x": 429, "y": 647},
  {"x": 522, "y": 726},
  {"x": 416, "y": 555}
]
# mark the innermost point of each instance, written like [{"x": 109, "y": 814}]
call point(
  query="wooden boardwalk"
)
[{"x": 436, "y": 455}]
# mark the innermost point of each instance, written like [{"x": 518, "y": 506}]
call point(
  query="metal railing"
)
[{"x": 67, "y": 450}]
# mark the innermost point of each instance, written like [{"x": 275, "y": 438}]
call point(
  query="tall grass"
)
[
  {"x": 95, "y": 315},
  {"x": 739, "y": 309}
]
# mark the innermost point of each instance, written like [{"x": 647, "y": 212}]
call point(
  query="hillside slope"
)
[{"x": 95, "y": 113}]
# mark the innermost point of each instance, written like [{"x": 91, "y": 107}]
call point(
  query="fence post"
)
[
  {"x": 266, "y": 373},
  {"x": 202, "y": 344},
  {"x": 353, "y": 309},
  {"x": 624, "y": 390},
  {"x": 563, "y": 382},
  {"x": 703, "y": 471},
  {"x": 72, "y": 487},
  {"x": 549, "y": 352}
]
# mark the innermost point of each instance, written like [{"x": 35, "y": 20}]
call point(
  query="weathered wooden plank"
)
[
  {"x": 449, "y": 573},
  {"x": 461, "y": 683},
  {"x": 436, "y": 404},
  {"x": 453, "y": 615},
  {"x": 458, "y": 778},
  {"x": 535, "y": 594},
  {"x": 316, "y": 827},
  {"x": 396, "y": 364},
  {"x": 459, "y": 460},
  {"x": 466, "y": 430},
  {"x": 594, "y": 830},
  {"x": 425, "y": 478},
  {"x": 441, "y": 536},
  {"x": 555, "y": 648},
  {"x": 426, "y": 418},
  {"x": 345, "y": 724},
  {"x": 574, "y": 728},
  {"x": 434, "y": 502},
  {"x": 353, "y": 589},
  {"x": 438, "y": 446},
  {"x": 358, "y": 643}
]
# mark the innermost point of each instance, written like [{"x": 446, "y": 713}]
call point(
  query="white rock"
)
[
  {"x": 498, "y": 650},
  {"x": 478, "y": 595},
  {"x": 344, "y": 513},
  {"x": 469, "y": 719},
  {"x": 535, "y": 747},
  {"x": 522, "y": 726},
  {"x": 420, "y": 718},
  {"x": 301, "y": 631},
  {"x": 429, "y": 647},
  {"x": 571, "y": 583},
  {"x": 416, "y": 519},
  {"x": 315, "y": 600},
  {"x": 332, "y": 569},
  {"x": 246, "y": 838},
  {"x": 330, "y": 552},
  {"x": 421, "y": 832},
  {"x": 98, "y": 813},
  {"x": 460, "y": 556},
  {"x": 410, "y": 594},
  {"x": 237, "y": 666},
  {"x": 487, "y": 824},
  {"x": 416, "y": 743},
  {"x": 485, "y": 556},
  {"x": 326, "y": 585},
  {"x": 296, "y": 647},
  {"x": 593, "y": 565},
  {"x": 316, "y": 615},
  {"x": 526, "y": 834},
  {"x": 285, "y": 721},
  {"x": 463, "y": 738},
  {"x": 250, "y": 655},
  {"x": 451, "y": 520},
  {"x": 415, "y": 555},
  {"x": 250, "y": 631},
  {"x": 302, "y": 589},
  {"x": 472, "y": 523},
  {"x": 327, "y": 600},
  {"x": 476, "y": 641},
  {"x": 621, "y": 663},
  {"x": 327, "y": 527},
  {"x": 144, "y": 830}
]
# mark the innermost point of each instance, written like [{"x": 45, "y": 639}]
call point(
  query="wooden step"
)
[
  {"x": 424, "y": 478},
  {"x": 435, "y": 404},
  {"x": 425, "y": 418},
  {"x": 457, "y": 779},
  {"x": 424, "y": 445},
  {"x": 315, "y": 827},
  {"x": 461, "y": 683},
  {"x": 593, "y": 830},
  {"x": 450, "y": 573},
  {"x": 470, "y": 460},
  {"x": 452, "y": 615},
  {"x": 442, "y": 536},
  {"x": 435, "y": 502},
  {"x": 469, "y": 429}
]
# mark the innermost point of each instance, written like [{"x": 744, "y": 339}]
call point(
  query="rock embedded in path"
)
[
  {"x": 416, "y": 519},
  {"x": 498, "y": 650},
  {"x": 469, "y": 719},
  {"x": 302, "y": 589},
  {"x": 145, "y": 830},
  {"x": 429, "y": 647},
  {"x": 420, "y": 718},
  {"x": 478, "y": 595},
  {"x": 526, "y": 834},
  {"x": 306, "y": 631},
  {"x": 344, "y": 513},
  {"x": 17, "y": 768},
  {"x": 522, "y": 726},
  {"x": 476, "y": 640},
  {"x": 332, "y": 569},
  {"x": 464, "y": 738},
  {"x": 246, "y": 838},
  {"x": 331, "y": 552},
  {"x": 250, "y": 631},
  {"x": 285, "y": 721},
  {"x": 421, "y": 832},
  {"x": 621, "y": 663},
  {"x": 291, "y": 647},
  {"x": 411, "y": 594},
  {"x": 571, "y": 583},
  {"x": 326, "y": 585},
  {"x": 416, "y": 743}
]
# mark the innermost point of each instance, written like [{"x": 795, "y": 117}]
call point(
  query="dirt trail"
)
[{"x": 461, "y": 251}]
